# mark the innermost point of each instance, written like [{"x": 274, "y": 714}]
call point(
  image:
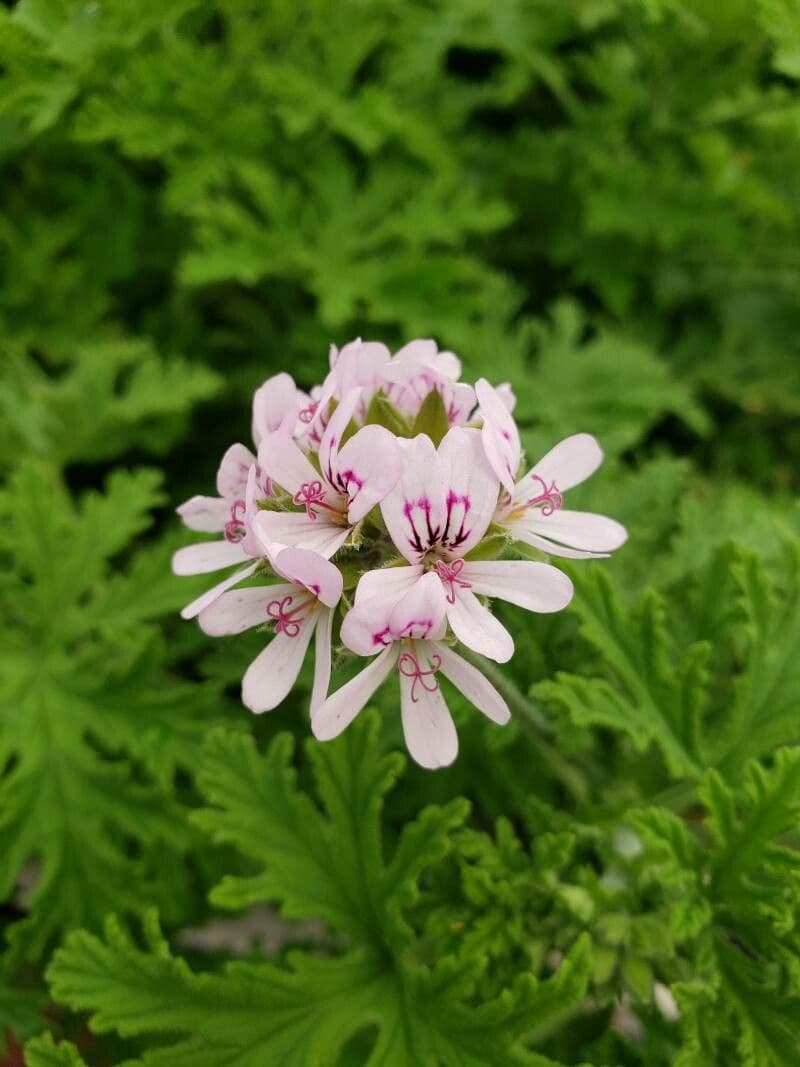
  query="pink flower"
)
[
  {"x": 314, "y": 490},
  {"x": 240, "y": 484},
  {"x": 440, "y": 510},
  {"x": 407, "y": 636},
  {"x": 276, "y": 403},
  {"x": 532, "y": 509},
  {"x": 354, "y": 478},
  {"x": 297, "y": 609},
  {"x": 419, "y": 368},
  {"x": 358, "y": 365}
]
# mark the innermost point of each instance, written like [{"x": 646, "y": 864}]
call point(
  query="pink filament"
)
[
  {"x": 449, "y": 573},
  {"x": 286, "y": 622},
  {"x": 234, "y": 527},
  {"x": 311, "y": 493},
  {"x": 408, "y": 665},
  {"x": 550, "y": 497},
  {"x": 307, "y": 414}
]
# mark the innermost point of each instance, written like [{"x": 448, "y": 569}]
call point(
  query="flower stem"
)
[{"x": 570, "y": 777}]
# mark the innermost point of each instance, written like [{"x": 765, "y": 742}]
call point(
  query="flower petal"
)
[
  {"x": 207, "y": 556},
  {"x": 471, "y": 489},
  {"x": 365, "y": 628},
  {"x": 322, "y": 659},
  {"x": 506, "y": 394},
  {"x": 535, "y": 586},
  {"x": 258, "y": 488},
  {"x": 339, "y": 710},
  {"x": 210, "y": 595},
  {"x": 206, "y": 514},
  {"x": 414, "y": 510},
  {"x": 280, "y": 458},
  {"x": 568, "y": 463},
  {"x": 499, "y": 433},
  {"x": 271, "y": 675},
  {"x": 578, "y": 529},
  {"x": 390, "y": 583},
  {"x": 310, "y": 570},
  {"x": 241, "y": 609},
  {"x": 296, "y": 529},
  {"x": 478, "y": 690},
  {"x": 522, "y": 532},
  {"x": 274, "y": 403},
  {"x": 332, "y": 437},
  {"x": 360, "y": 363},
  {"x": 428, "y": 727},
  {"x": 423, "y": 350},
  {"x": 476, "y": 627},
  {"x": 420, "y": 613},
  {"x": 232, "y": 473},
  {"x": 367, "y": 468}
]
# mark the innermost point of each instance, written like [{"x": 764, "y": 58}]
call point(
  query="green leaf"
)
[
  {"x": 92, "y": 728},
  {"x": 722, "y": 688},
  {"x": 137, "y": 399},
  {"x": 432, "y": 418},
  {"x": 326, "y": 863},
  {"x": 611, "y": 386},
  {"x": 654, "y": 699},
  {"x": 251, "y": 1014},
  {"x": 44, "y": 1052},
  {"x": 767, "y": 693}
]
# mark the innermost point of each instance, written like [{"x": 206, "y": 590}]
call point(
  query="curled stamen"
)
[
  {"x": 449, "y": 573},
  {"x": 550, "y": 498},
  {"x": 286, "y": 622},
  {"x": 234, "y": 527},
  {"x": 307, "y": 414},
  {"x": 408, "y": 665},
  {"x": 310, "y": 493}
]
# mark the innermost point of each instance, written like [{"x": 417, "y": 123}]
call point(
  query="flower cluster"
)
[{"x": 385, "y": 499}]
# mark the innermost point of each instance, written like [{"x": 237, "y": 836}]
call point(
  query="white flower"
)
[
  {"x": 410, "y": 519},
  {"x": 532, "y": 509}
]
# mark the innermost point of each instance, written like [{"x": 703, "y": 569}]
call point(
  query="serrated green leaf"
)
[
  {"x": 74, "y": 675},
  {"x": 44, "y": 1052},
  {"x": 327, "y": 864}
]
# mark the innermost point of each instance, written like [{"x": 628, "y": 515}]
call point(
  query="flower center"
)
[
  {"x": 307, "y": 414},
  {"x": 550, "y": 498},
  {"x": 286, "y": 621},
  {"x": 409, "y": 666},
  {"x": 234, "y": 527},
  {"x": 449, "y": 573}
]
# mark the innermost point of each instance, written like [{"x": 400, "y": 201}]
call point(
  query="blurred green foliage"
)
[{"x": 596, "y": 200}]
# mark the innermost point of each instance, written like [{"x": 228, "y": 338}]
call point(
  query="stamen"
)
[
  {"x": 311, "y": 493},
  {"x": 550, "y": 497},
  {"x": 307, "y": 414},
  {"x": 408, "y": 665},
  {"x": 234, "y": 527},
  {"x": 286, "y": 622},
  {"x": 449, "y": 573}
]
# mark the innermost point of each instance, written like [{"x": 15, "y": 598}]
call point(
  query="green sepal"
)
[
  {"x": 491, "y": 547},
  {"x": 382, "y": 412},
  {"x": 431, "y": 418}
]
